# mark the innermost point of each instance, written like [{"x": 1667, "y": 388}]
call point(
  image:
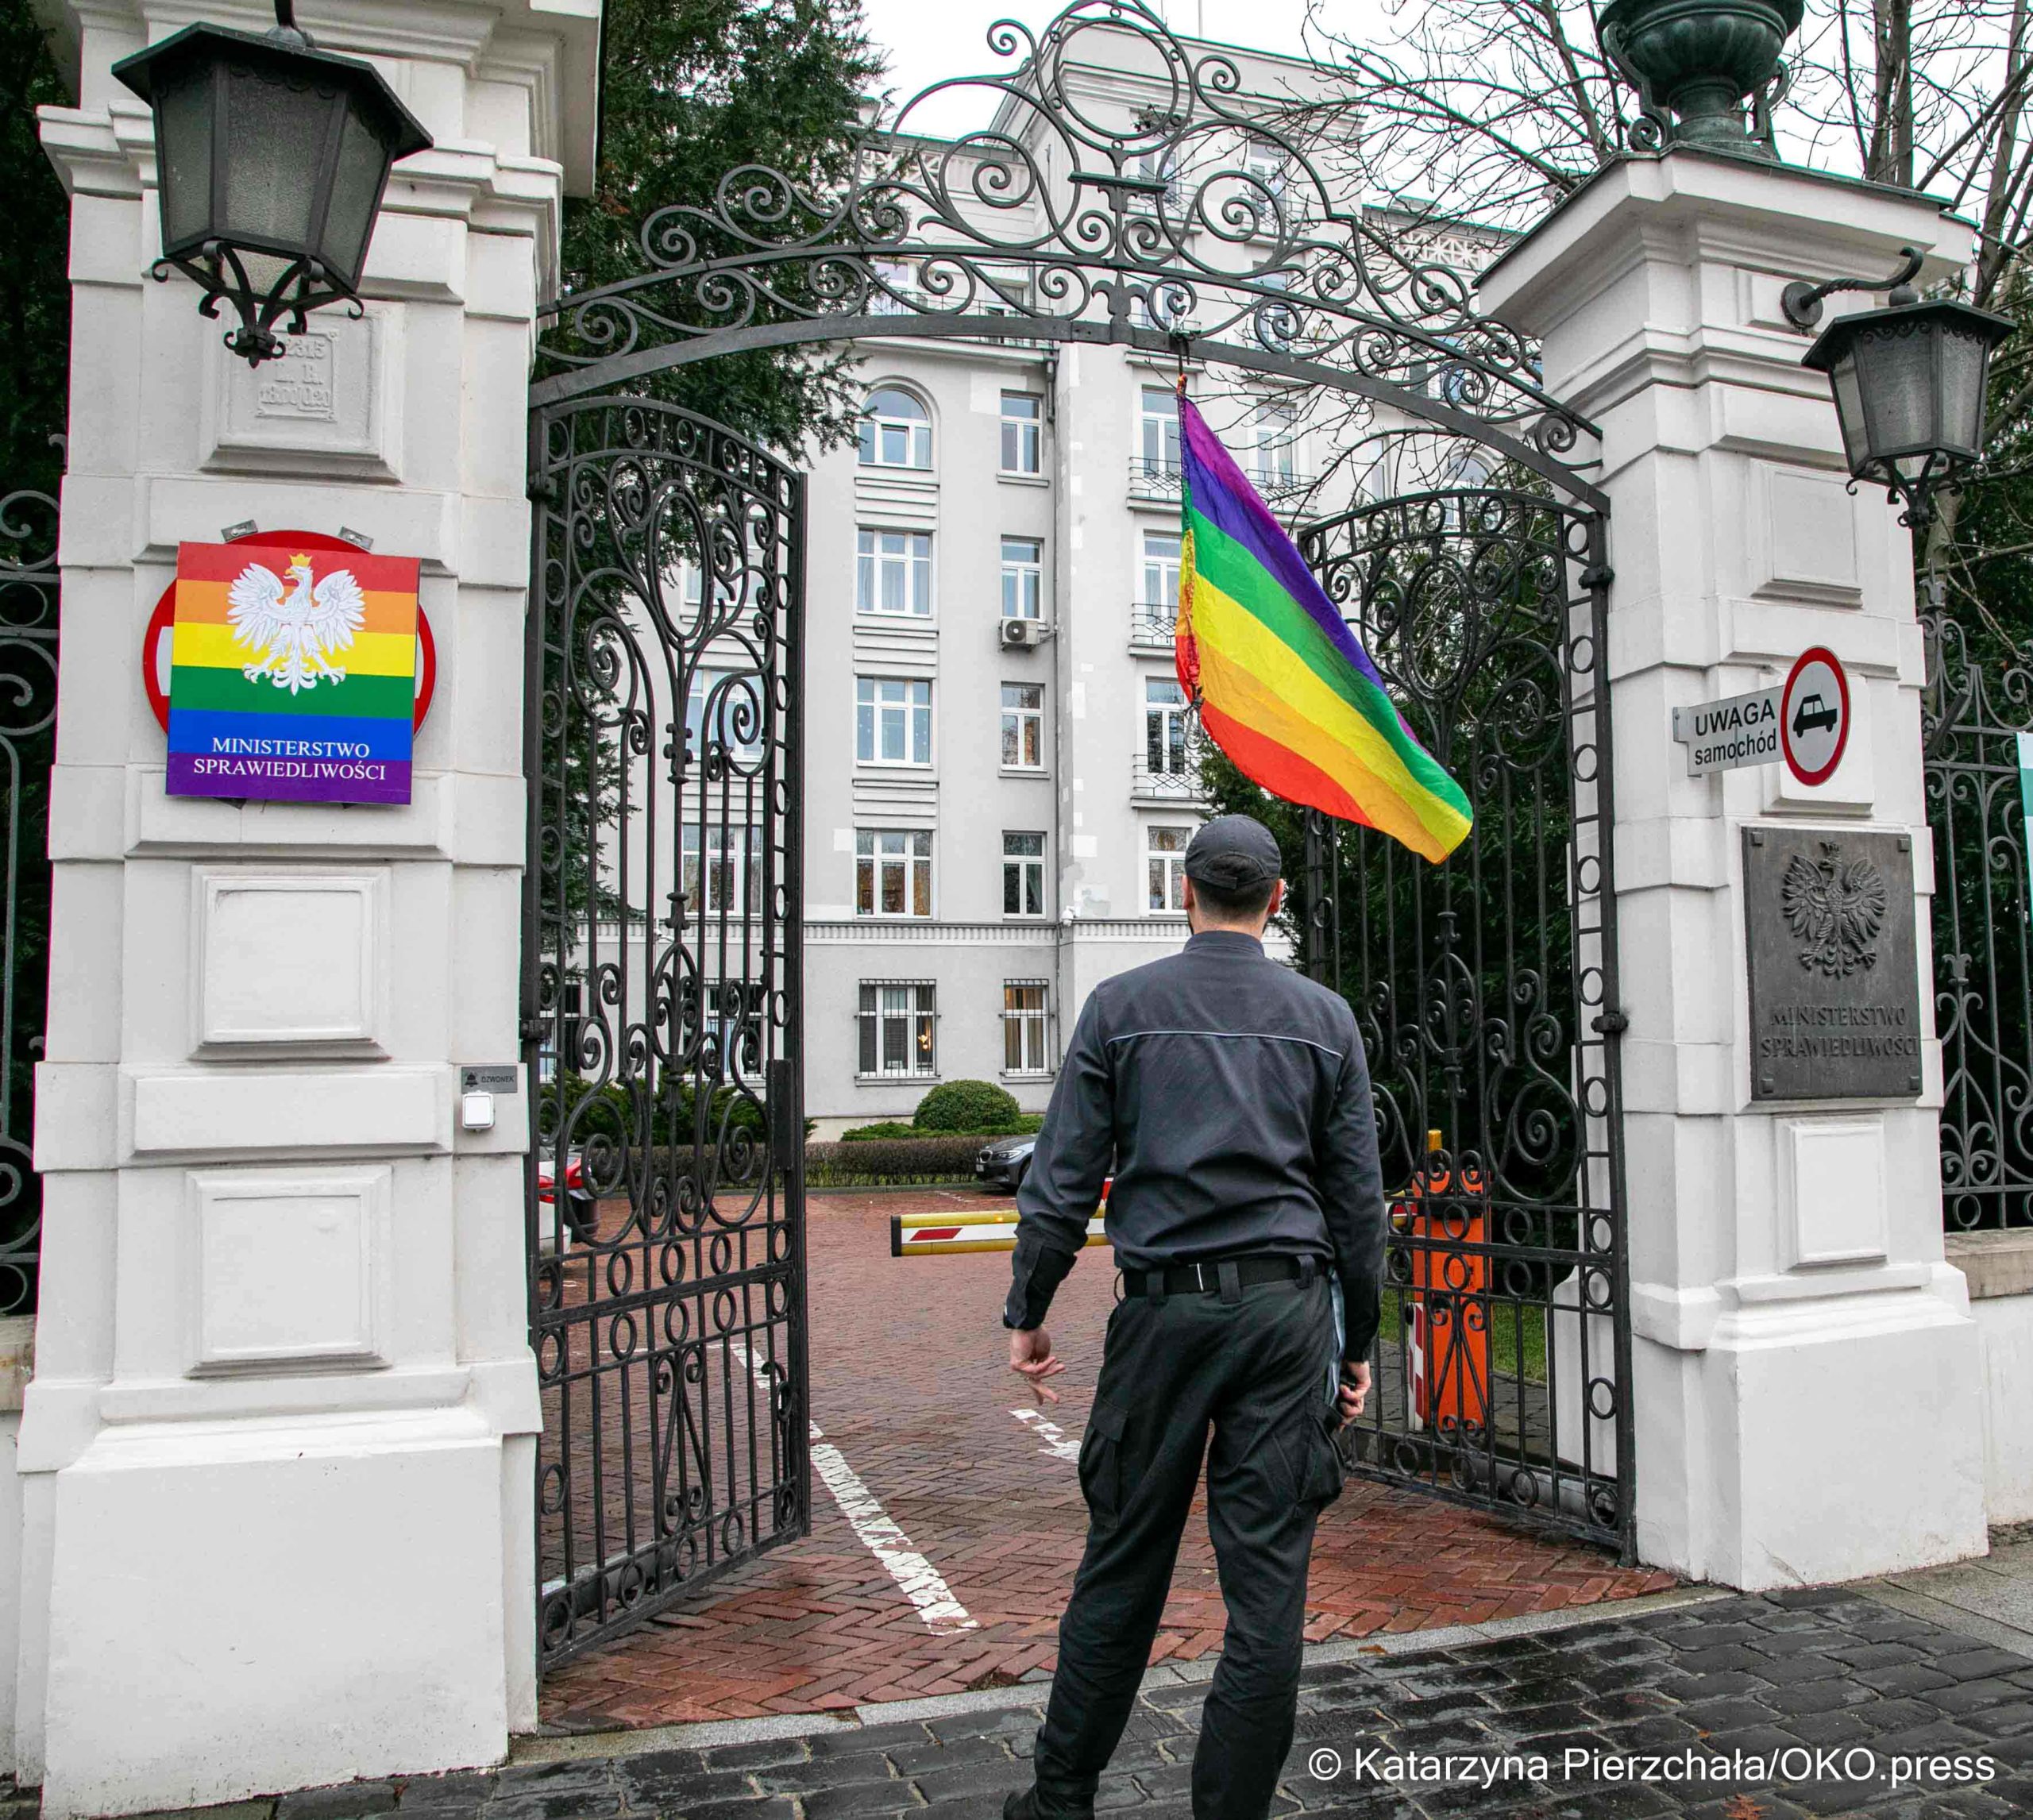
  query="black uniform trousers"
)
[{"x": 1251, "y": 1364}]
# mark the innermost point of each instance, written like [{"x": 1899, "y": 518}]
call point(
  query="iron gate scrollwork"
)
[
  {"x": 1972, "y": 711},
  {"x": 666, "y": 1190},
  {"x": 28, "y": 728},
  {"x": 1486, "y": 990},
  {"x": 663, "y": 753}
]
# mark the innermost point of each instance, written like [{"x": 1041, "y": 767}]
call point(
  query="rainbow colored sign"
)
[{"x": 292, "y": 673}]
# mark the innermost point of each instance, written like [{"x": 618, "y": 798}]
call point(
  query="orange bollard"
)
[{"x": 1448, "y": 1346}]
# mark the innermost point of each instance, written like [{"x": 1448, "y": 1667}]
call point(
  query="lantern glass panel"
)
[
  {"x": 1965, "y": 358},
  {"x": 1895, "y": 373},
  {"x": 363, "y": 160},
  {"x": 274, "y": 149},
  {"x": 1850, "y": 411},
  {"x": 183, "y": 107}
]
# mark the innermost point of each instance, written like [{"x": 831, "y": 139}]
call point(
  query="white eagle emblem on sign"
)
[{"x": 296, "y": 628}]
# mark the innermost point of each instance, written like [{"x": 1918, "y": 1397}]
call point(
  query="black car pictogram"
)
[{"x": 1813, "y": 712}]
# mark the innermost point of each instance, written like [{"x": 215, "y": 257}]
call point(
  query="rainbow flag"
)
[
  {"x": 1284, "y": 688},
  {"x": 292, "y": 673}
]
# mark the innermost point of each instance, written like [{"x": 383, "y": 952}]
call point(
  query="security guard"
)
[{"x": 1231, "y": 1099}]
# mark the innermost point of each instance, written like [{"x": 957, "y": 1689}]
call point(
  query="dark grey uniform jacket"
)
[{"x": 1231, "y": 1098}]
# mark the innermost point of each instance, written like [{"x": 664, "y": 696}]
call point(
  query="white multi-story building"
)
[{"x": 1000, "y": 777}]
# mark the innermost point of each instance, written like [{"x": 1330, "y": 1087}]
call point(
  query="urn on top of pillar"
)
[
  {"x": 272, "y": 157},
  {"x": 1695, "y": 63}
]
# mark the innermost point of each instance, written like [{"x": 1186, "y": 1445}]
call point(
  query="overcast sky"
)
[{"x": 929, "y": 39}]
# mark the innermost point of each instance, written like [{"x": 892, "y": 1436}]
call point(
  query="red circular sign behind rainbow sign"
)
[{"x": 154, "y": 641}]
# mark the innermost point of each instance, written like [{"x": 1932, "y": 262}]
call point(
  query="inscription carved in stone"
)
[
  {"x": 298, "y": 385},
  {"x": 329, "y": 403}
]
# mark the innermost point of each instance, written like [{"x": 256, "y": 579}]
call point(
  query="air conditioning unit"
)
[{"x": 1022, "y": 634}]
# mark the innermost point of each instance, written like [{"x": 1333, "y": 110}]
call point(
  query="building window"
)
[
  {"x": 1157, "y": 606},
  {"x": 1023, "y": 578},
  {"x": 1022, "y": 726},
  {"x": 1022, "y": 415},
  {"x": 1159, "y": 425},
  {"x": 1265, "y": 160},
  {"x": 1159, "y": 166},
  {"x": 1277, "y": 323},
  {"x": 1271, "y": 439},
  {"x": 896, "y": 430},
  {"x": 892, "y": 573},
  {"x": 895, "y": 291},
  {"x": 892, "y": 873},
  {"x": 1165, "y": 849},
  {"x": 735, "y": 700},
  {"x": 1164, "y": 727},
  {"x": 1023, "y": 875},
  {"x": 892, "y": 720},
  {"x": 899, "y": 1022},
  {"x": 730, "y": 883},
  {"x": 1026, "y": 1018}
]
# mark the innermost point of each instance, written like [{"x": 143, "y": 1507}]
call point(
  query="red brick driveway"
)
[{"x": 910, "y": 1382}]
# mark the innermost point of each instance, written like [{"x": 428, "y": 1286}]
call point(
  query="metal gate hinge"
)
[
  {"x": 1610, "y": 1023},
  {"x": 545, "y": 493},
  {"x": 534, "y": 1029},
  {"x": 1597, "y": 575}
]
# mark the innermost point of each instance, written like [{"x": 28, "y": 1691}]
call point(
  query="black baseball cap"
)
[{"x": 1232, "y": 853}]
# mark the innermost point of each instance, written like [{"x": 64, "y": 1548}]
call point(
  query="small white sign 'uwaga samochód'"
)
[{"x": 1739, "y": 730}]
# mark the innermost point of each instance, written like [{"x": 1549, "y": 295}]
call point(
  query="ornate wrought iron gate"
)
[
  {"x": 27, "y": 727},
  {"x": 665, "y": 1193},
  {"x": 1974, "y": 711},
  {"x": 1486, "y": 989}
]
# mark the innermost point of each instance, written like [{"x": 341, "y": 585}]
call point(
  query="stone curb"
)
[{"x": 703, "y": 1733}]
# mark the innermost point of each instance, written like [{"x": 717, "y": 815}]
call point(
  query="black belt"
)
[{"x": 1205, "y": 1278}]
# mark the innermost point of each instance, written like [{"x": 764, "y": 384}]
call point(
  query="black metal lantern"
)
[
  {"x": 272, "y": 158},
  {"x": 1909, "y": 380}
]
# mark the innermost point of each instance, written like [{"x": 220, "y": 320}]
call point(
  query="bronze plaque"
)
[{"x": 1835, "y": 989}]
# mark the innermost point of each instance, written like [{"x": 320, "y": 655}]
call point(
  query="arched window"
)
[{"x": 896, "y": 430}]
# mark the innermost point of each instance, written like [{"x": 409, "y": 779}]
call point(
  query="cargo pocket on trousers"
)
[
  {"x": 1314, "y": 1461},
  {"x": 1101, "y": 1461}
]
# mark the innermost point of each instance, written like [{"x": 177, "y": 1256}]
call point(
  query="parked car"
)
[
  {"x": 582, "y": 1211},
  {"x": 1000, "y": 1165}
]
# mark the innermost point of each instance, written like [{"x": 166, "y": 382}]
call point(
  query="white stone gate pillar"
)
[
  {"x": 1805, "y": 1389},
  {"x": 278, "y": 1450}
]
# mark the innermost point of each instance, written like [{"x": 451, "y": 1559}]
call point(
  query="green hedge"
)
[
  {"x": 900, "y": 1162},
  {"x": 1023, "y": 1125},
  {"x": 613, "y": 1114}
]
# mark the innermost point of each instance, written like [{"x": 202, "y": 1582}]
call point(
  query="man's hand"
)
[
  {"x": 1355, "y": 1390},
  {"x": 1031, "y": 1355}
]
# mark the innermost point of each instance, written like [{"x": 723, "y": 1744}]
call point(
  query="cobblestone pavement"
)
[
  {"x": 910, "y": 1383},
  {"x": 1731, "y": 1680}
]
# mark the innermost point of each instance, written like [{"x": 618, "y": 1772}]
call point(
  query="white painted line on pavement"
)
[
  {"x": 1057, "y": 1443},
  {"x": 943, "y": 1615},
  {"x": 920, "y": 1580}
]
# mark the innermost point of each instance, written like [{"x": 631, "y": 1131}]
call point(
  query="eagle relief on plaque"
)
[{"x": 1835, "y": 991}]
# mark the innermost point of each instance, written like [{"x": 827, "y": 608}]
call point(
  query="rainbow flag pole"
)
[{"x": 1284, "y": 688}]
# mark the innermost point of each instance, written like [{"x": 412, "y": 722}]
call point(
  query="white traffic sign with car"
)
[{"x": 1814, "y": 716}]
